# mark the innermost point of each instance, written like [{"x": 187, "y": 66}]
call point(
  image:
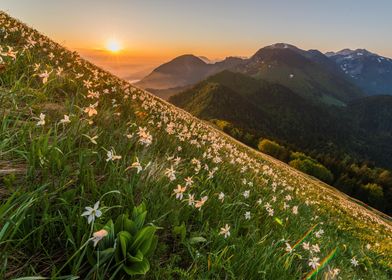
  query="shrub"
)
[
  {"x": 301, "y": 156},
  {"x": 273, "y": 149},
  {"x": 385, "y": 178},
  {"x": 313, "y": 168},
  {"x": 373, "y": 193}
]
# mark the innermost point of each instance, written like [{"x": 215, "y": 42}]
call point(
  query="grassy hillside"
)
[{"x": 72, "y": 135}]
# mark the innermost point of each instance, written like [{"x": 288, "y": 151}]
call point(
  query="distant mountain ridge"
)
[
  {"x": 184, "y": 71},
  {"x": 369, "y": 71},
  {"x": 332, "y": 78},
  {"x": 308, "y": 73}
]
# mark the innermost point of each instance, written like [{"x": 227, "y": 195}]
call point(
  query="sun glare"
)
[{"x": 113, "y": 46}]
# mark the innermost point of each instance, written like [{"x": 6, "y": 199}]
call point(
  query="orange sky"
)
[
  {"x": 153, "y": 32},
  {"x": 136, "y": 64}
]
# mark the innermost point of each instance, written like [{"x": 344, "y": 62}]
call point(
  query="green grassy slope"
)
[{"x": 52, "y": 167}]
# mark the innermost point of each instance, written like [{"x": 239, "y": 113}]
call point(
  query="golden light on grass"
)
[{"x": 113, "y": 46}]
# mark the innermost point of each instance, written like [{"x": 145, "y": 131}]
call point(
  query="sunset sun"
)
[{"x": 113, "y": 46}]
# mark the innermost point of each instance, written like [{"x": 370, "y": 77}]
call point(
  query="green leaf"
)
[
  {"x": 123, "y": 244},
  {"x": 105, "y": 254},
  {"x": 153, "y": 246},
  {"x": 137, "y": 210},
  {"x": 137, "y": 258},
  {"x": 139, "y": 268},
  {"x": 130, "y": 226},
  {"x": 144, "y": 239},
  {"x": 123, "y": 223},
  {"x": 119, "y": 224},
  {"x": 139, "y": 220},
  {"x": 91, "y": 256},
  {"x": 139, "y": 214},
  {"x": 279, "y": 221},
  {"x": 197, "y": 239}
]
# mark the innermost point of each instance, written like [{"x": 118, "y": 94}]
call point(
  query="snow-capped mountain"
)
[{"x": 371, "y": 72}]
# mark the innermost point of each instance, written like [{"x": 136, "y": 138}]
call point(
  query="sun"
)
[{"x": 113, "y": 46}]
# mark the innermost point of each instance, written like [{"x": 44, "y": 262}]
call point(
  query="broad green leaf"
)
[
  {"x": 143, "y": 239},
  {"x": 153, "y": 246},
  {"x": 119, "y": 224},
  {"x": 137, "y": 258},
  {"x": 139, "y": 268},
  {"x": 139, "y": 215},
  {"x": 124, "y": 242}
]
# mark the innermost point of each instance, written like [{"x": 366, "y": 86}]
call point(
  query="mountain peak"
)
[
  {"x": 348, "y": 52},
  {"x": 181, "y": 63},
  {"x": 280, "y": 49},
  {"x": 188, "y": 58},
  {"x": 345, "y": 51},
  {"x": 183, "y": 71},
  {"x": 282, "y": 46}
]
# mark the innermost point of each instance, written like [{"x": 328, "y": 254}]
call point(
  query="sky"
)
[{"x": 151, "y": 32}]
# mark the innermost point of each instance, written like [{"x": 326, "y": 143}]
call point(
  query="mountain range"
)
[{"x": 331, "y": 78}]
